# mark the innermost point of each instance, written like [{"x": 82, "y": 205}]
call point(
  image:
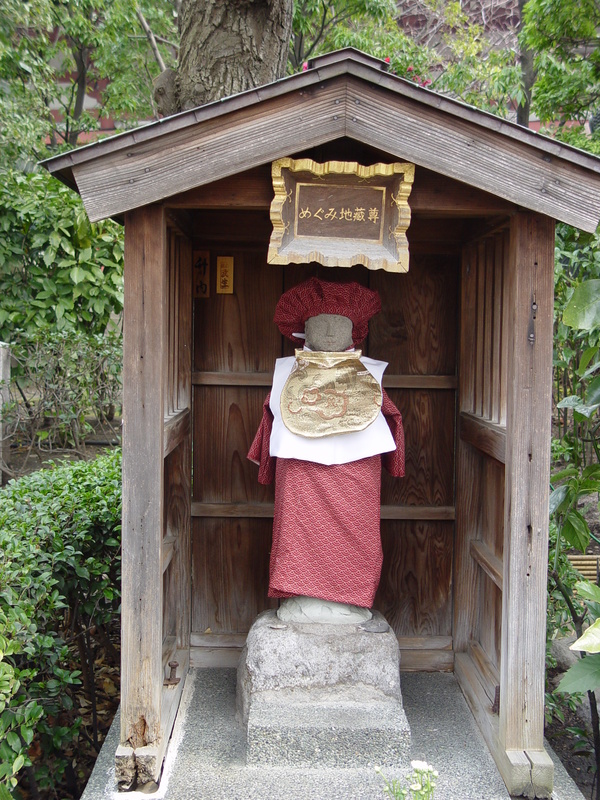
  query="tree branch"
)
[{"x": 151, "y": 39}]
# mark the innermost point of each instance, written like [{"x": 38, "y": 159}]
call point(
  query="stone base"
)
[{"x": 312, "y": 694}]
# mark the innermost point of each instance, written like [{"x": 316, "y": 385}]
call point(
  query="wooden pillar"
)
[
  {"x": 143, "y": 495},
  {"x": 530, "y": 293},
  {"x": 468, "y": 490}
]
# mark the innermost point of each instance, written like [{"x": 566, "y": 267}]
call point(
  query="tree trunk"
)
[
  {"x": 228, "y": 47},
  {"x": 527, "y": 74}
]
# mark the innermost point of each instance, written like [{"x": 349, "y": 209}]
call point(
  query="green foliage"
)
[
  {"x": 576, "y": 352},
  {"x": 61, "y": 381},
  {"x": 420, "y": 784},
  {"x": 564, "y": 500},
  {"x": 461, "y": 61},
  {"x": 315, "y": 23},
  {"x": 563, "y": 34},
  {"x": 53, "y": 55},
  {"x": 56, "y": 268},
  {"x": 60, "y": 552},
  {"x": 584, "y": 675}
]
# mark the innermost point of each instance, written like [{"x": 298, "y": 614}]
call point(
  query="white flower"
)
[{"x": 420, "y": 766}]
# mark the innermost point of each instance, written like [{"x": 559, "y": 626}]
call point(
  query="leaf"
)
[
  {"x": 583, "y": 676},
  {"x": 587, "y": 356},
  {"x": 78, "y": 275},
  {"x": 591, "y": 471},
  {"x": 575, "y": 530},
  {"x": 557, "y": 498},
  {"x": 568, "y": 472},
  {"x": 4, "y": 793},
  {"x": 589, "y": 639},
  {"x": 583, "y": 309},
  {"x": 592, "y": 395},
  {"x": 18, "y": 763},
  {"x": 572, "y": 401}
]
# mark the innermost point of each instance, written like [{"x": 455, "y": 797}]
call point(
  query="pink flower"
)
[
  {"x": 387, "y": 59},
  {"x": 305, "y": 66},
  {"x": 409, "y": 69}
]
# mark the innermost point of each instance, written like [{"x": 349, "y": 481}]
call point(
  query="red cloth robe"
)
[{"x": 326, "y": 539}]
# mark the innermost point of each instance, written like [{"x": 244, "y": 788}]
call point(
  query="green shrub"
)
[
  {"x": 59, "y": 587},
  {"x": 62, "y": 382}
]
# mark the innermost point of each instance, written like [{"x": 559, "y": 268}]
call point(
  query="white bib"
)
[{"x": 341, "y": 448}]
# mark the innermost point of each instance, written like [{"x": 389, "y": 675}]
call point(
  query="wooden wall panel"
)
[
  {"x": 225, "y": 421},
  {"x": 415, "y": 589},
  {"x": 230, "y": 572},
  {"x": 416, "y": 330},
  {"x": 492, "y": 506},
  {"x": 235, "y": 337},
  {"x": 235, "y": 332},
  {"x": 428, "y": 418},
  {"x": 485, "y": 328},
  {"x": 170, "y": 606},
  {"x": 490, "y": 632}
]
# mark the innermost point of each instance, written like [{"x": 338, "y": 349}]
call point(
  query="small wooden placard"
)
[
  {"x": 201, "y": 273},
  {"x": 340, "y": 214},
  {"x": 224, "y": 274}
]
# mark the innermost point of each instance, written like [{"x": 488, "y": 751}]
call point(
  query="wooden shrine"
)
[{"x": 467, "y": 332}]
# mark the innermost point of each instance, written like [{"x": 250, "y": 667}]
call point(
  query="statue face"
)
[{"x": 328, "y": 332}]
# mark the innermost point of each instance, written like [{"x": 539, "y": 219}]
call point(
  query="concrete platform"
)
[
  {"x": 321, "y": 695},
  {"x": 206, "y": 757}
]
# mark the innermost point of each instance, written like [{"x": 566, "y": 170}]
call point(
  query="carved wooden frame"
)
[{"x": 388, "y": 251}]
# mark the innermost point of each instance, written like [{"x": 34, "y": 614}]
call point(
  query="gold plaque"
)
[
  {"x": 341, "y": 213},
  {"x": 329, "y": 393},
  {"x": 224, "y": 274}
]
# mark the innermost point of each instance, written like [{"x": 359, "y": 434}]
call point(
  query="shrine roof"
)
[{"x": 342, "y": 94}]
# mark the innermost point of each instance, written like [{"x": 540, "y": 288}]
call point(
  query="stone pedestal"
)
[{"x": 318, "y": 694}]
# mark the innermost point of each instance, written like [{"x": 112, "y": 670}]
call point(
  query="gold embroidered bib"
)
[{"x": 329, "y": 393}]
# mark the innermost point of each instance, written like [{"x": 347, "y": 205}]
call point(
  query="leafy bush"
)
[
  {"x": 56, "y": 268},
  {"x": 60, "y": 381},
  {"x": 59, "y": 589}
]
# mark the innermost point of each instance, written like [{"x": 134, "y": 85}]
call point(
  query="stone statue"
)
[{"x": 327, "y": 427}]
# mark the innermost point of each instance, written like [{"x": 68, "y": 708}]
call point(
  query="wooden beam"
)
[
  {"x": 489, "y": 563},
  {"x": 252, "y": 128},
  {"x": 489, "y": 437},
  {"x": 488, "y": 673},
  {"x": 472, "y": 154},
  {"x": 266, "y": 379},
  {"x": 176, "y": 429},
  {"x": 431, "y": 195},
  {"x": 417, "y": 653},
  {"x": 468, "y": 472},
  {"x": 143, "y": 504},
  {"x": 221, "y": 146},
  {"x": 525, "y": 773},
  {"x": 530, "y": 291},
  {"x": 265, "y": 511}
]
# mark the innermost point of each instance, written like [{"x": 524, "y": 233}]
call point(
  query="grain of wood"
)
[
  {"x": 143, "y": 502},
  {"x": 432, "y": 194},
  {"x": 496, "y": 355},
  {"x": 488, "y": 561},
  {"x": 509, "y": 168},
  {"x": 468, "y": 466},
  {"x": 488, "y": 437},
  {"x": 266, "y": 510},
  {"x": 414, "y": 593},
  {"x": 530, "y": 281}
]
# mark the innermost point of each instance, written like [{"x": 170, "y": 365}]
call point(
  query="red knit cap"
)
[{"x": 314, "y": 297}]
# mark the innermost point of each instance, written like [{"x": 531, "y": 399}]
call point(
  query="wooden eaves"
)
[{"x": 342, "y": 94}]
